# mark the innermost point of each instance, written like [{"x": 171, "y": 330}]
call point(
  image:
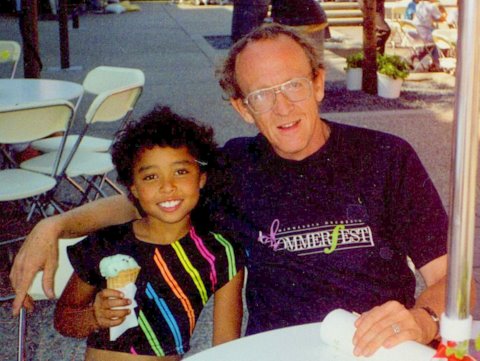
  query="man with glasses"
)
[{"x": 328, "y": 213}]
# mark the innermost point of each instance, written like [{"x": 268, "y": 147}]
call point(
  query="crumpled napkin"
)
[{"x": 131, "y": 320}]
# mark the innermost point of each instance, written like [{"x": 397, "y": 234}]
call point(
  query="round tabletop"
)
[
  {"x": 20, "y": 91},
  {"x": 305, "y": 343},
  {"x": 285, "y": 344}
]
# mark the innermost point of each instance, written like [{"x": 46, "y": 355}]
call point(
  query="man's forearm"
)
[
  {"x": 433, "y": 298},
  {"x": 93, "y": 216}
]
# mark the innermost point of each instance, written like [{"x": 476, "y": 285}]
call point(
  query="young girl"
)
[{"x": 162, "y": 160}]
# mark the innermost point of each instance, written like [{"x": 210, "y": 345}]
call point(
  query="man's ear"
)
[
  {"x": 241, "y": 109},
  {"x": 319, "y": 85}
]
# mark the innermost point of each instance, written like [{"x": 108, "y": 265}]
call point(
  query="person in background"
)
[
  {"x": 452, "y": 18},
  {"x": 307, "y": 16},
  {"x": 411, "y": 9},
  {"x": 427, "y": 15}
]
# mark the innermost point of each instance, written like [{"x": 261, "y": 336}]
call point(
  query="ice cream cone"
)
[{"x": 123, "y": 278}]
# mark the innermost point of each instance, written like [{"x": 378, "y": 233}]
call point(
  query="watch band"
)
[{"x": 433, "y": 315}]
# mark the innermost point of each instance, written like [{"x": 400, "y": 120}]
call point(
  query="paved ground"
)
[{"x": 167, "y": 42}]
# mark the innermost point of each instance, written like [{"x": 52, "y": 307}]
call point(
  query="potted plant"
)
[
  {"x": 392, "y": 70},
  {"x": 354, "y": 71}
]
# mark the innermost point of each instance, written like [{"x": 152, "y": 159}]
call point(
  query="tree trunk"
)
[
  {"x": 29, "y": 27},
  {"x": 63, "y": 34},
  {"x": 369, "y": 80}
]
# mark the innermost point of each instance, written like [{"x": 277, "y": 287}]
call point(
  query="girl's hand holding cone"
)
[{"x": 105, "y": 308}]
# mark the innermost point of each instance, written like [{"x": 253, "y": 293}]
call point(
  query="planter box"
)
[
  {"x": 354, "y": 79},
  {"x": 388, "y": 87}
]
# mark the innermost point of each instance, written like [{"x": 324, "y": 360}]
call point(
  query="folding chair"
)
[
  {"x": 421, "y": 57},
  {"x": 10, "y": 53},
  {"x": 25, "y": 123},
  {"x": 62, "y": 275},
  {"x": 22, "y": 324},
  {"x": 91, "y": 167},
  {"x": 98, "y": 80},
  {"x": 448, "y": 60}
]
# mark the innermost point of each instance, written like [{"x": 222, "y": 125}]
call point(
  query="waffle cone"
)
[{"x": 123, "y": 278}]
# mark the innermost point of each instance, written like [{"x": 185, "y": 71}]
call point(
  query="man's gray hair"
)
[{"x": 226, "y": 71}]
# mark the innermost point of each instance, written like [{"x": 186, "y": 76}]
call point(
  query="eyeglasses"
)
[{"x": 263, "y": 100}]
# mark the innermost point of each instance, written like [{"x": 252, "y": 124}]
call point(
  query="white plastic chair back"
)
[
  {"x": 101, "y": 80},
  {"x": 10, "y": 53},
  {"x": 442, "y": 42},
  {"x": 105, "y": 78},
  {"x": 110, "y": 106},
  {"x": 448, "y": 60},
  {"x": 62, "y": 274},
  {"x": 25, "y": 123}
]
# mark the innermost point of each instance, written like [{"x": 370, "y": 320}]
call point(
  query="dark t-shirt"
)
[
  {"x": 333, "y": 230},
  {"x": 174, "y": 283}
]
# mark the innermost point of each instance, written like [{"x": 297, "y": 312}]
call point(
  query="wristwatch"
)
[{"x": 433, "y": 315}]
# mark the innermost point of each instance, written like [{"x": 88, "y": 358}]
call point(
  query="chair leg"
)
[
  {"x": 22, "y": 330},
  {"x": 114, "y": 186}
]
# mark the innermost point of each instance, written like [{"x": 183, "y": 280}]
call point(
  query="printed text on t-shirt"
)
[{"x": 327, "y": 238}]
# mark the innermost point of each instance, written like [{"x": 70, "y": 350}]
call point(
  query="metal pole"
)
[{"x": 456, "y": 322}]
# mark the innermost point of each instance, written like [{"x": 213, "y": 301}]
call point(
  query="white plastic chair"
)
[
  {"x": 420, "y": 52},
  {"x": 10, "y": 53},
  {"x": 62, "y": 275},
  {"x": 98, "y": 80},
  {"x": 25, "y": 123},
  {"x": 91, "y": 167},
  {"x": 448, "y": 60}
]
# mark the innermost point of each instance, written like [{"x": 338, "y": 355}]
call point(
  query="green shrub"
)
[
  {"x": 354, "y": 60},
  {"x": 392, "y": 66}
]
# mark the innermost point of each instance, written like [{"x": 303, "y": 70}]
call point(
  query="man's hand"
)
[
  {"x": 390, "y": 324},
  {"x": 105, "y": 302},
  {"x": 38, "y": 252}
]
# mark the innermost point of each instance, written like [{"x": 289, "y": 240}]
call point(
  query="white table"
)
[
  {"x": 20, "y": 91},
  {"x": 24, "y": 91},
  {"x": 300, "y": 343}
]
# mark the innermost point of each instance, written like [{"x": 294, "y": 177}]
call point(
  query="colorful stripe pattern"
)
[
  {"x": 207, "y": 255},
  {"x": 174, "y": 285},
  {"x": 232, "y": 269},
  {"x": 168, "y": 316},
  {"x": 191, "y": 270},
  {"x": 147, "y": 330},
  {"x": 176, "y": 289}
]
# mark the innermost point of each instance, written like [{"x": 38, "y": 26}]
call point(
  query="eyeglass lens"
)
[{"x": 295, "y": 90}]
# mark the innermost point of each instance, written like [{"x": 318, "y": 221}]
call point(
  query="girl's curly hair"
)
[{"x": 164, "y": 128}]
